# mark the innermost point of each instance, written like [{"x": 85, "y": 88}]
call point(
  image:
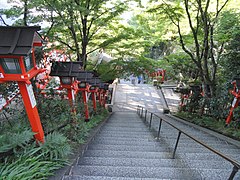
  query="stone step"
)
[
  {"x": 125, "y": 139},
  {"x": 158, "y": 148},
  {"x": 127, "y": 154},
  {"x": 125, "y": 129},
  {"x": 152, "y": 138},
  {"x": 170, "y": 135},
  {"x": 136, "y": 172},
  {"x": 121, "y": 131},
  {"x": 119, "y": 135},
  {"x": 125, "y": 119},
  {"x": 127, "y": 126},
  {"x": 123, "y": 124},
  {"x": 82, "y": 177},
  {"x": 143, "y": 162},
  {"x": 190, "y": 144},
  {"x": 120, "y": 141},
  {"x": 202, "y": 156},
  {"x": 221, "y": 174},
  {"x": 135, "y": 148}
]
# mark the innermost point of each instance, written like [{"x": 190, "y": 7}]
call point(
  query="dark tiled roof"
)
[
  {"x": 66, "y": 69},
  {"x": 95, "y": 81},
  {"x": 85, "y": 76},
  {"x": 17, "y": 40}
]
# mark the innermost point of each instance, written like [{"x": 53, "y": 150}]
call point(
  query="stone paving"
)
[{"x": 129, "y": 96}]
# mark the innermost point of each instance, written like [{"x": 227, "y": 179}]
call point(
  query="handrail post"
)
[
  {"x": 150, "y": 122},
  {"x": 145, "y": 117},
  {"x": 234, "y": 171},
  {"x": 175, "y": 149},
  {"x": 151, "y": 117},
  {"x": 159, "y": 128},
  {"x": 142, "y": 112}
]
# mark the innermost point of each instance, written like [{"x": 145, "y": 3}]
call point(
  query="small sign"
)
[
  {"x": 73, "y": 97},
  {"x": 31, "y": 95},
  {"x": 1, "y": 75},
  {"x": 234, "y": 102}
]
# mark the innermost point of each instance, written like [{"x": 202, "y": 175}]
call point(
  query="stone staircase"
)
[
  {"x": 198, "y": 158},
  {"x": 125, "y": 149}
]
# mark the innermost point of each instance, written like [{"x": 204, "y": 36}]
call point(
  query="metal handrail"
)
[{"x": 236, "y": 165}]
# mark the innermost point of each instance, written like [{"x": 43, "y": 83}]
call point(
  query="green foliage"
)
[
  {"x": 211, "y": 123},
  {"x": 56, "y": 146},
  {"x": 38, "y": 161},
  {"x": 32, "y": 164},
  {"x": 228, "y": 26},
  {"x": 23, "y": 12},
  {"x": 230, "y": 62},
  {"x": 219, "y": 105},
  {"x": 53, "y": 112},
  {"x": 177, "y": 63},
  {"x": 9, "y": 141}
]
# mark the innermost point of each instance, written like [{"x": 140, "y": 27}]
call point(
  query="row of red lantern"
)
[
  {"x": 18, "y": 63},
  {"x": 157, "y": 73},
  {"x": 74, "y": 87}
]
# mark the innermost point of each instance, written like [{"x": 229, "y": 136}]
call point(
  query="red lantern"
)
[{"x": 17, "y": 63}]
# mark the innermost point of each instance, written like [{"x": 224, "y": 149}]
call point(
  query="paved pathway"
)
[{"x": 129, "y": 96}]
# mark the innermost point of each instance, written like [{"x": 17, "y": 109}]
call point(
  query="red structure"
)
[
  {"x": 67, "y": 72},
  {"x": 158, "y": 73},
  {"x": 103, "y": 91},
  {"x": 84, "y": 87},
  {"x": 18, "y": 64},
  {"x": 236, "y": 93},
  {"x": 185, "y": 94},
  {"x": 70, "y": 84},
  {"x": 94, "y": 91}
]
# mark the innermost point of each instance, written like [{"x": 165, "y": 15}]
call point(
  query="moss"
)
[{"x": 217, "y": 125}]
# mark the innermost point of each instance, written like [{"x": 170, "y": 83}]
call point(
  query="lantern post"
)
[
  {"x": 236, "y": 93},
  {"x": 67, "y": 72},
  {"x": 84, "y": 77},
  {"x": 103, "y": 90},
  {"x": 83, "y": 87},
  {"x": 94, "y": 90},
  {"x": 17, "y": 63}
]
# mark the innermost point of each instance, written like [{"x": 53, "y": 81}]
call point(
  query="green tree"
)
[
  {"x": 199, "y": 41},
  {"x": 229, "y": 30},
  {"x": 23, "y": 12},
  {"x": 77, "y": 23}
]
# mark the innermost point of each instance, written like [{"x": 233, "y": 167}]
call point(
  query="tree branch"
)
[
  {"x": 52, "y": 25},
  {"x": 193, "y": 30},
  {"x": 4, "y": 22},
  {"x": 218, "y": 11},
  {"x": 66, "y": 44},
  {"x": 183, "y": 46}
]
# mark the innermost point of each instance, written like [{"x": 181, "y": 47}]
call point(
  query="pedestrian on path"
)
[
  {"x": 139, "y": 79},
  {"x": 133, "y": 79}
]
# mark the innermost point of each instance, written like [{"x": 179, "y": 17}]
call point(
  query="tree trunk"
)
[
  {"x": 25, "y": 13},
  {"x": 84, "y": 42}
]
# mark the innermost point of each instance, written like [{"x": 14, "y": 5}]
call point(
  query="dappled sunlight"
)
[{"x": 129, "y": 96}]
